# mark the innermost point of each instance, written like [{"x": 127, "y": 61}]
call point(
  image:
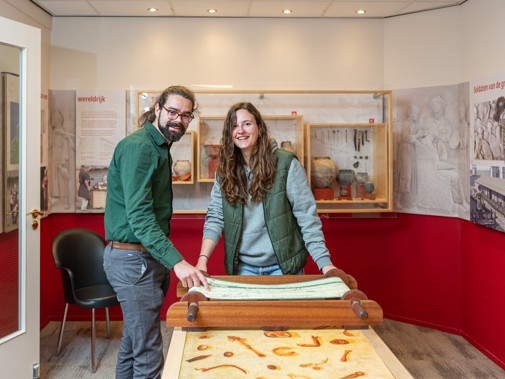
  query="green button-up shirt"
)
[{"x": 139, "y": 194}]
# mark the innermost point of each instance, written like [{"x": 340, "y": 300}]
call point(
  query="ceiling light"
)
[
  {"x": 212, "y": 10},
  {"x": 361, "y": 11},
  {"x": 152, "y": 9},
  {"x": 287, "y": 11}
]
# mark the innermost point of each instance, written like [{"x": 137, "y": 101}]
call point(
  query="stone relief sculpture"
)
[
  {"x": 62, "y": 148},
  {"x": 432, "y": 136},
  {"x": 62, "y": 180},
  {"x": 407, "y": 173},
  {"x": 439, "y": 184},
  {"x": 442, "y": 127}
]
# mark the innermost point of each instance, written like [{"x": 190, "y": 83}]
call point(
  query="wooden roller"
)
[
  {"x": 353, "y": 309},
  {"x": 192, "y": 298},
  {"x": 355, "y": 296}
]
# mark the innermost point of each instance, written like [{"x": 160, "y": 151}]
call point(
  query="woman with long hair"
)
[{"x": 261, "y": 201}]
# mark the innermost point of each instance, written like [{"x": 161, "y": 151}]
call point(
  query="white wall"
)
[
  {"x": 447, "y": 46},
  {"x": 151, "y": 53},
  {"x": 27, "y": 13},
  {"x": 482, "y": 23},
  {"x": 423, "y": 49}
]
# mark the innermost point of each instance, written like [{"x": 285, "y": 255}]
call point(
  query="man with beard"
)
[{"x": 137, "y": 224}]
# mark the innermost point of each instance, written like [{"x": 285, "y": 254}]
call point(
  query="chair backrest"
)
[{"x": 78, "y": 252}]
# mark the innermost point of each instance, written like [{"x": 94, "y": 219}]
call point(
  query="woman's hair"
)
[
  {"x": 150, "y": 114},
  {"x": 231, "y": 162}
]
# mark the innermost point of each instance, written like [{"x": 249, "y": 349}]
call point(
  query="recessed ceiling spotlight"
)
[
  {"x": 361, "y": 11},
  {"x": 152, "y": 9},
  {"x": 287, "y": 11},
  {"x": 212, "y": 10}
]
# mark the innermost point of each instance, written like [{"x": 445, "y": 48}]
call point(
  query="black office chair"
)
[{"x": 78, "y": 253}]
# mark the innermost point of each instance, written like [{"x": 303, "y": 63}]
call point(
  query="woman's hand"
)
[
  {"x": 331, "y": 270},
  {"x": 202, "y": 264}
]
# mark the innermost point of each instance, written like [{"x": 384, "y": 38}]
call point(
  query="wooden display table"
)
[{"x": 326, "y": 337}]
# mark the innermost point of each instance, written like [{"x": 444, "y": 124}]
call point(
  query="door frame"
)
[{"x": 20, "y": 351}]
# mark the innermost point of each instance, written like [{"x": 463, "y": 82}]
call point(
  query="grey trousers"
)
[{"x": 141, "y": 284}]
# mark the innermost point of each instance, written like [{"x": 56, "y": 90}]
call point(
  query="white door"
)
[{"x": 19, "y": 347}]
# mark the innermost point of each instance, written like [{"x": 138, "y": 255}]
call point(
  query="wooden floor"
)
[{"x": 426, "y": 353}]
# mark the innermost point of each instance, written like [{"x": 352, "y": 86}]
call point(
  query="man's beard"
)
[{"x": 172, "y": 135}]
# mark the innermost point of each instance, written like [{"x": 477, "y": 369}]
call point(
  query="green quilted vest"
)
[{"x": 282, "y": 227}]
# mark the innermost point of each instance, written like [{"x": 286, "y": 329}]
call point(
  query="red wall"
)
[
  {"x": 443, "y": 273},
  {"x": 483, "y": 286},
  {"x": 9, "y": 279}
]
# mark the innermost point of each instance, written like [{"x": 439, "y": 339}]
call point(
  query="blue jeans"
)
[
  {"x": 247, "y": 269},
  {"x": 141, "y": 284}
]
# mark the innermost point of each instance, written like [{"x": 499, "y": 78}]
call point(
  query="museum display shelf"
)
[
  {"x": 313, "y": 124},
  {"x": 287, "y": 130},
  {"x": 349, "y": 165},
  {"x": 183, "y": 158}
]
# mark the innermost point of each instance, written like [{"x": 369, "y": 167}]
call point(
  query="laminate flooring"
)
[{"x": 426, "y": 353}]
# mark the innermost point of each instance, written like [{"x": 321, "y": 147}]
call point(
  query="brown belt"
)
[{"x": 129, "y": 246}]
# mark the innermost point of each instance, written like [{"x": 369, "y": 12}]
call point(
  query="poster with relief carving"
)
[{"x": 487, "y": 176}]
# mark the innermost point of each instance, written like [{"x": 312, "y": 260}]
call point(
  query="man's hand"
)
[{"x": 189, "y": 275}]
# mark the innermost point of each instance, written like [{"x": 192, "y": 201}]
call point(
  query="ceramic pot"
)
[
  {"x": 322, "y": 172},
  {"x": 287, "y": 145},
  {"x": 345, "y": 177},
  {"x": 369, "y": 187},
  {"x": 361, "y": 177},
  {"x": 212, "y": 150},
  {"x": 182, "y": 167}
]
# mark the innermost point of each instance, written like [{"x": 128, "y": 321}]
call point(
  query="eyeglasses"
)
[{"x": 173, "y": 114}]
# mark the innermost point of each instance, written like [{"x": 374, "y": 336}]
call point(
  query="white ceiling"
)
[{"x": 241, "y": 8}]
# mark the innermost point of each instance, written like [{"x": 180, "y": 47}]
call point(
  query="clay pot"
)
[
  {"x": 322, "y": 172},
  {"x": 212, "y": 150},
  {"x": 369, "y": 187},
  {"x": 182, "y": 167},
  {"x": 361, "y": 177},
  {"x": 345, "y": 177}
]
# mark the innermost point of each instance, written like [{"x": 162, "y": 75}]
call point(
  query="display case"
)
[
  {"x": 314, "y": 123},
  {"x": 350, "y": 156},
  {"x": 349, "y": 166},
  {"x": 287, "y": 130},
  {"x": 183, "y": 159}
]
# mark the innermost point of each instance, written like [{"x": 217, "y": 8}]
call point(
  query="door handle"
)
[{"x": 35, "y": 213}]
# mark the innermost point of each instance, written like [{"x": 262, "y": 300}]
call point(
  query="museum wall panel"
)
[
  {"x": 400, "y": 262},
  {"x": 482, "y": 267}
]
